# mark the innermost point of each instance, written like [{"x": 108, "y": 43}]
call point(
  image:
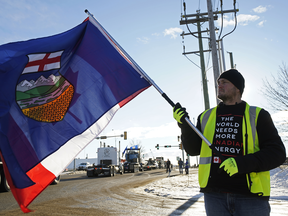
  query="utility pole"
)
[
  {"x": 231, "y": 60},
  {"x": 221, "y": 56},
  {"x": 203, "y": 70},
  {"x": 213, "y": 46},
  {"x": 119, "y": 153},
  {"x": 202, "y": 17},
  {"x": 201, "y": 54}
]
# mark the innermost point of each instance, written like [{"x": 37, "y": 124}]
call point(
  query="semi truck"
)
[
  {"x": 107, "y": 163},
  {"x": 160, "y": 162},
  {"x": 133, "y": 159},
  {"x": 151, "y": 164}
]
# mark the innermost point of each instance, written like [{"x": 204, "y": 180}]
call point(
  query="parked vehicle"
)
[
  {"x": 84, "y": 166},
  {"x": 131, "y": 167},
  {"x": 160, "y": 162},
  {"x": 133, "y": 160},
  {"x": 56, "y": 180},
  {"x": 104, "y": 169},
  {"x": 108, "y": 163},
  {"x": 151, "y": 164}
]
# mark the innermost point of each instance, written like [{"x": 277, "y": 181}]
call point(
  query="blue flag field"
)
[{"x": 57, "y": 94}]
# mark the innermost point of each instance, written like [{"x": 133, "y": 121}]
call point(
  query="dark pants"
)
[
  {"x": 186, "y": 170},
  {"x": 227, "y": 204}
]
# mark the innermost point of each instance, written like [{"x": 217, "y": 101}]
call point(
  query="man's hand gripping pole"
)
[{"x": 212, "y": 147}]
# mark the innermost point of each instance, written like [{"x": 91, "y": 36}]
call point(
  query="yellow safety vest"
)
[{"x": 258, "y": 182}]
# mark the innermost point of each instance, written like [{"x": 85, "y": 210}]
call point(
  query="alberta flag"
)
[{"x": 57, "y": 94}]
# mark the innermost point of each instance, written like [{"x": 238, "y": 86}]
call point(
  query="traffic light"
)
[
  {"x": 167, "y": 146},
  {"x": 125, "y": 135},
  {"x": 157, "y": 146},
  {"x": 180, "y": 146}
]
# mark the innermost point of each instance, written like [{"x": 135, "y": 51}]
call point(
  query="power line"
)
[
  {"x": 186, "y": 22},
  {"x": 235, "y": 18},
  {"x": 192, "y": 61},
  {"x": 222, "y": 19}
]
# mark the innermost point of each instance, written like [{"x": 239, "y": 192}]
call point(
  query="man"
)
[
  {"x": 168, "y": 167},
  {"x": 187, "y": 167},
  {"x": 180, "y": 165},
  {"x": 250, "y": 146}
]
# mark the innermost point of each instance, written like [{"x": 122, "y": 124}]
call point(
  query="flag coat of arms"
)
[{"x": 57, "y": 94}]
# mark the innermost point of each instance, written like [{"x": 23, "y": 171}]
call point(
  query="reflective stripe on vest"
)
[
  {"x": 204, "y": 120},
  {"x": 206, "y": 153},
  {"x": 205, "y": 160},
  {"x": 258, "y": 183},
  {"x": 252, "y": 113}
]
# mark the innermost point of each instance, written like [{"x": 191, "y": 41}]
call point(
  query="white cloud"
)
[
  {"x": 260, "y": 9},
  {"x": 226, "y": 21},
  {"x": 242, "y": 19},
  {"x": 261, "y": 24},
  {"x": 156, "y": 34},
  {"x": 172, "y": 31},
  {"x": 144, "y": 40}
]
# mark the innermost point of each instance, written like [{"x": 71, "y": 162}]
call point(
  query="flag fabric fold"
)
[{"x": 57, "y": 94}]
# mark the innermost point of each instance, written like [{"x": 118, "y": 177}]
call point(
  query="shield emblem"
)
[{"x": 44, "y": 99}]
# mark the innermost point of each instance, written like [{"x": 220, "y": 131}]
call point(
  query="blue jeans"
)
[{"x": 227, "y": 204}]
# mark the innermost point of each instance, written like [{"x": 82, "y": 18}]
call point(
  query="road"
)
[{"x": 79, "y": 195}]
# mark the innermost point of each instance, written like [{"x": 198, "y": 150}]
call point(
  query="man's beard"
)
[{"x": 227, "y": 96}]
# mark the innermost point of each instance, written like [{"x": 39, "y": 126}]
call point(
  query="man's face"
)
[{"x": 226, "y": 90}]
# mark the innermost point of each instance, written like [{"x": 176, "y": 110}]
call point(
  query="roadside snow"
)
[
  {"x": 176, "y": 186},
  {"x": 186, "y": 187},
  {"x": 279, "y": 183}
]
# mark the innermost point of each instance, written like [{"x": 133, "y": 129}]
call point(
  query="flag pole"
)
[{"x": 144, "y": 75}]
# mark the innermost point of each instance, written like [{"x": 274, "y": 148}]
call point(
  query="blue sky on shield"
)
[{"x": 150, "y": 32}]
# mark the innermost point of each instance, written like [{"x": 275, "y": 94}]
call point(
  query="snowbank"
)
[
  {"x": 279, "y": 183},
  {"x": 176, "y": 186},
  {"x": 186, "y": 186}
]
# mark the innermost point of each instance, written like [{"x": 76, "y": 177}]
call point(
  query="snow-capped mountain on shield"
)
[{"x": 45, "y": 100}]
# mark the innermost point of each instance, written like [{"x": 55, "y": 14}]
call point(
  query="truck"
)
[
  {"x": 151, "y": 164},
  {"x": 107, "y": 163},
  {"x": 133, "y": 160},
  {"x": 4, "y": 186},
  {"x": 160, "y": 162}
]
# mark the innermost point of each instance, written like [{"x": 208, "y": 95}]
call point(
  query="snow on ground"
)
[
  {"x": 279, "y": 183},
  {"x": 186, "y": 187},
  {"x": 176, "y": 186}
]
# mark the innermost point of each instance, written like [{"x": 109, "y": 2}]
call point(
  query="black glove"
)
[{"x": 179, "y": 113}]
